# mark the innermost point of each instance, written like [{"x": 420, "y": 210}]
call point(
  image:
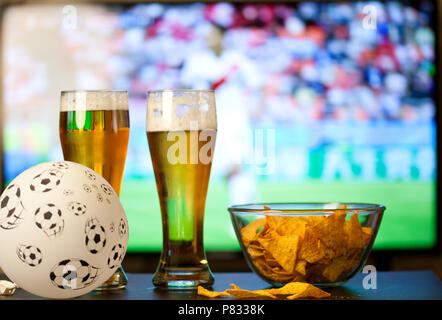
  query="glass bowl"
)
[{"x": 325, "y": 244}]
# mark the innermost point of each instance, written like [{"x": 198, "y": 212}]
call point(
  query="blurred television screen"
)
[{"x": 316, "y": 101}]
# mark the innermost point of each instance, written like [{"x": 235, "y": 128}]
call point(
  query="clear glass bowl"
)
[{"x": 319, "y": 243}]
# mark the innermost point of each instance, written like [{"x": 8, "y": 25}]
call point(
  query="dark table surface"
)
[{"x": 392, "y": 285}]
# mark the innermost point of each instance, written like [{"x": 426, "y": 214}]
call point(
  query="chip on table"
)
[{"x": 291, "y": 291}]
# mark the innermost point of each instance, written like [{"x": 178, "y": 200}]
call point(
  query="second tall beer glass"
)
[
  {"x": 181, "y": 131},
  {"x": 94, "y": 131}
]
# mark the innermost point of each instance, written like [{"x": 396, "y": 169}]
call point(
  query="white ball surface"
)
[{"x": 63, "y": 230}]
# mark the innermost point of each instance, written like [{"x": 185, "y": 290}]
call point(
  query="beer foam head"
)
[
  {"x": 176, "y": 110},
  {"x": 93, "y": 100}
]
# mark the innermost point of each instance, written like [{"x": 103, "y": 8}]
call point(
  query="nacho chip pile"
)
[
  {"x": 291, "y": 291},
  {"x": 305, "y": 248}
]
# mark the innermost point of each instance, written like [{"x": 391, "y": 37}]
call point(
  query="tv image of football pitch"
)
[{"x": 409, "y": 221}]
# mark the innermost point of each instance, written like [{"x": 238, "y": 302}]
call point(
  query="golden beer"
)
[
  {"x": 100, "y": 143},
  {"x": 94, "y": 131},
  {"x": 181, "y": 149}
]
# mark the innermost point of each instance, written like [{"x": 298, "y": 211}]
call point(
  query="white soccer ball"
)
[{"x": 63, "y": 230}]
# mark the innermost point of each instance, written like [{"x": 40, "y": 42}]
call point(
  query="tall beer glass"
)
[
  {"x": 181, "y": 132},
  {"x": 94, "y": 131}
]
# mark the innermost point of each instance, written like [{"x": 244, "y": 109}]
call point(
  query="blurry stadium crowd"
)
[
  {"x": 343, "y": 85},
  {"x": 299, "y": 63}
]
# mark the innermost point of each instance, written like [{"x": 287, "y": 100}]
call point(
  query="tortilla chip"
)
[
  {"x": 292, "y": 290},
  {"x": 247, "y": 294},
  {"x": 366, "y": 235},
  {"x": 284, "y": 249},
  {"x": 255, "y": 251},
  {"x": 335, "y": 269},
  {"x": 248, "y": 233},
  {"x": 310, "y": 292},
  {"x": 234, "y": 286},
  {"x": 353, "y": 232},
  {"x": 263, "y": 267},
  {"x": 273, "y": 222},
  {"x": 291, "y": 226},
  {"x": 298, "y": 290},
  {"x": 312, "y": 249},
  {"x": 300, "y": 266},
  {"x": 330, "y": 231},
  {"x": 211, "y": 294},
  {"x": 270, "y": 261}
]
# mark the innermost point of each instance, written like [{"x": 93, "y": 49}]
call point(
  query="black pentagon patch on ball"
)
[
  {"x": 49, "y": 219},
  {"x": 11, "y": 208},
  {"x": 116, "y": 256},
  {"x": 31, "y": 255},
  {"x": 106, "y": 189},
  {"x": 60, "y": 165},
  {"x": 77, "y": 208},
  {"x": 46, "y": 181},
  {"x": 87, "y": 188},
  {"x": 122, "y": 227},
  {"x": 90, "y": 175},
  {"x": 95, "y": 236},
  {"x": 4, "y": 202}
]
